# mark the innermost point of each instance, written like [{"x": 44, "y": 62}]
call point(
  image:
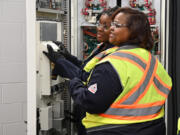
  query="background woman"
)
[{"x": 69, "y": 66}]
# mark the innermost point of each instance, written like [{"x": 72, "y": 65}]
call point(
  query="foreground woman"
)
[{"x": 128, "y": 86}]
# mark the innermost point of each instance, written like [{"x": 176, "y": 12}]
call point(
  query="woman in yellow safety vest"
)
[{"x": 127, "y": 88}]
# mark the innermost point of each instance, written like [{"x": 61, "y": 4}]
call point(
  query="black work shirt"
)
[{"x": 108, "y": 89}]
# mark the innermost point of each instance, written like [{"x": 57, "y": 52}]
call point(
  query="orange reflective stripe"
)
[
  {"x": 98, "y": 58},
  {"x": 103, "y": 54},
  {"x": 100, "y": 55},
  {"x": 126, "y": 59},
  {"x": 130, "y": 57},
  {"x": 133, "y": 111},
  {"x": 139, "y": 62},
  {"x": 131, "y": 92},
  {"x": 158, "y": 103},
  {"x": 161, "y": 93},
  {"x": 130, "y": 117},
  {"x": 149, "y": 84},
  {"x": 99, "y": 45},
  {"x": 165, "y": 85},
  {"x": 128, "y": 107},
  {"x": 143, "y": 60}
]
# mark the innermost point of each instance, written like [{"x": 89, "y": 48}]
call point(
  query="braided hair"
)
[{"x": 109, "y": 12}]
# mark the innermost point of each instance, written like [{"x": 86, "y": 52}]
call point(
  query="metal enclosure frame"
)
[
  {"x": 169, "y": 12},
  {"x": 31, "y": 59},
  {"x": 31, "y": 66}
]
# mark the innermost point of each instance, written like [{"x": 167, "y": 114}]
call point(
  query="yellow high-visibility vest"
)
[
  {"x": 178, "y": 128},
  {"x": 145, "y": 83}
]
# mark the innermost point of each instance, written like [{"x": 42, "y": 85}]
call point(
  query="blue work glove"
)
[{"x": 52, "y": 55}]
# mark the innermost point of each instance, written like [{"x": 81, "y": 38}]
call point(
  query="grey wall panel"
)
[
  {"x": 10, "y": 113},
  {"x": 13, "y": 91},
  {"x": 12, "y": 42},
  {"x": 16, "y": 128},
  {"x": 18, "y": 93}
]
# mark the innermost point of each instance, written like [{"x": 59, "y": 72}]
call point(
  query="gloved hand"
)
[
  {"x": 62, "y": 50},
  {"x": 67, "y": 55},
  {"x": 58, "y": 43},
  {"x": 52, "y": 55}
]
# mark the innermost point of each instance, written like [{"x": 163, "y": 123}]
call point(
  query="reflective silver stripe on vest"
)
[
  {"x": 133, "y": 112},
  {"x": 143, "y": 65},
  {"x": 94, "y": 50},
  {"x": 161, "y": 87},
  {"x": 142, "y": 88},
  {"x": 105, "y": 127},
  {"x": 132, "y": 57},
  {"x": 101, "y": 55}
]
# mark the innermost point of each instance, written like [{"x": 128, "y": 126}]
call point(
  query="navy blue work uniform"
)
[
  {"x": 106, "y": 78},
  {"x": 72, "y": 67}
]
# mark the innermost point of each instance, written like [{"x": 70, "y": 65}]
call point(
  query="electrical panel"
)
[
  {"x": 53, "y": 101},
  {"x": 51, "y": 10},
  {"x": 49, "y": 4},
  {"x": 90, "y": 9},
  {"x": 149, "y": 7},
  {"x": 89, "y": 40}
]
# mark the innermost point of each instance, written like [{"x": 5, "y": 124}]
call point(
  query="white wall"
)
[{"x": 13, "y": 86}]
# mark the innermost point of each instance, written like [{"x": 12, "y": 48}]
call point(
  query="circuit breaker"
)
[{"x": 152, "y": 9}]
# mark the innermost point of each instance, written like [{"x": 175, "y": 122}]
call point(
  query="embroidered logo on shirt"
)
[{"x": 93, "y": 88}]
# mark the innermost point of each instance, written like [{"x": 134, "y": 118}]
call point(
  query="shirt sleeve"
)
[
  {"x": 74, "y": 60},
  {"x": 103, "y": 88},
  {"x": 66, "y": 69}
]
